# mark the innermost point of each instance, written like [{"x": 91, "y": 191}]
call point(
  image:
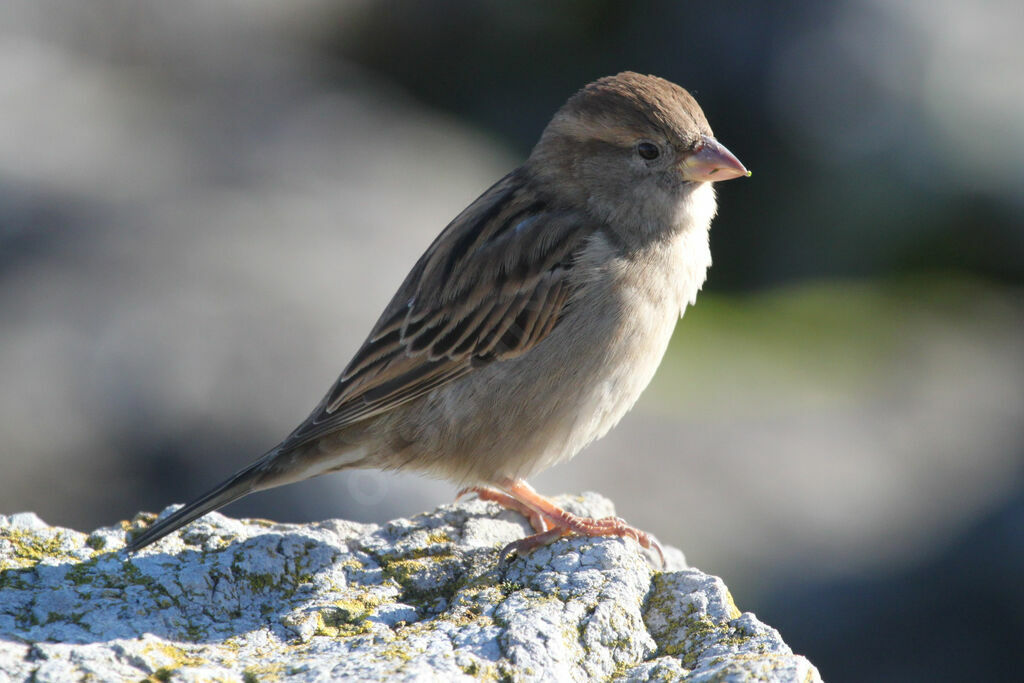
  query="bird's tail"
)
[{"x": 242, "y": 483}]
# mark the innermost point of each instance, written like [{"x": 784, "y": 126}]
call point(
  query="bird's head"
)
[{"x": 632, "y": 146}]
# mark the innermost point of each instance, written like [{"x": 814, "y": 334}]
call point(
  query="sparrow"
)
[{"x": 532, "y": 323}]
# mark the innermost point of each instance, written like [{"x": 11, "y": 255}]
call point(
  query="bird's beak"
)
[{"x": 710, "y": 162}]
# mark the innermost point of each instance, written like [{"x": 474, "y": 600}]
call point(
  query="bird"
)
[{"x": 532, "y": 323}]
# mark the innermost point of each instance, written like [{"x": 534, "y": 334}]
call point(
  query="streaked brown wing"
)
[{"x": 492, "y": 285}]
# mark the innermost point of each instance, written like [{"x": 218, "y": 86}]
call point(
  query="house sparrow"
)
[{"x": 533, "y": 322}]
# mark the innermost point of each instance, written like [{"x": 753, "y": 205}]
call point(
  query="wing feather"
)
[{"x": 492, "y": 286}]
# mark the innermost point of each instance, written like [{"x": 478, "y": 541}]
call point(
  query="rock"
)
[{"x": 413, "y": 599}]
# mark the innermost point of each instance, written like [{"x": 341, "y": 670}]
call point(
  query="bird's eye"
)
[{"x": 648, "y": 150}]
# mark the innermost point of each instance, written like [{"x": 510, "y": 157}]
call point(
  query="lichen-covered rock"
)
[{"x": 413, "y": 599}]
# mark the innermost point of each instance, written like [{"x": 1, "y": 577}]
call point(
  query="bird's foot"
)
[
  {"x": 551, "y": 522},
  {"x": 567, "y": 523}
]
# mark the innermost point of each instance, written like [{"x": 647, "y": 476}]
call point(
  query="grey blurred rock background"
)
[{"x": 203, "y": 208}]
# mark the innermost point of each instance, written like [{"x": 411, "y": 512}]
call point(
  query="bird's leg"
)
[
  {"x": 563, "y": 522},
  {"x": 536, "y": 519}
]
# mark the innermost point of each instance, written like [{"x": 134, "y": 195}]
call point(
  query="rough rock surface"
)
[{"x": 413, "y": 599}]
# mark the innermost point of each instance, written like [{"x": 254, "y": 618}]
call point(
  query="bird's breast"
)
[
  {"x": 642, "y": 300},
  {"x": 608, "y": 348},
  {"x": 513, "y": 418}
]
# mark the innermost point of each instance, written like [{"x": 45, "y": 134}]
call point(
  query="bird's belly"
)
[
  {"x": 515, "y": 418},
  {"x": 597, "y": 410},
  {"x": 619, "y": 373}
]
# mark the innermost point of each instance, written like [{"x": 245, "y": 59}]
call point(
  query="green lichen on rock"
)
[
  {"x": 24, "y": 548},
  {"x": 269, "y": 673},
  {"x": 166, "y": 660},
  {"x": 694, "y": 619},
  {"x": 415, "y": 598},
  {"x": 348, "y": 616}
]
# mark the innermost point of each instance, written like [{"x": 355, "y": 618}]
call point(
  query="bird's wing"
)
[{"x": 492, "y": 286}]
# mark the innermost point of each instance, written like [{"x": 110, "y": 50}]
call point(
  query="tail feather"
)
[{"x": 240, "y": 484}]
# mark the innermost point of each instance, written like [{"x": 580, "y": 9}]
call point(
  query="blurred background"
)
[{"x": 204, "y": 206}]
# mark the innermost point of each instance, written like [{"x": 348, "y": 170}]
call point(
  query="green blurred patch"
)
[{"x": 824, "y": 342}]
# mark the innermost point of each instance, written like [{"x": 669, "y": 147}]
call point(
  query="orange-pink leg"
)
[
  {"x": 537, "y": 520},
  {"x": 555, "y": 522}
]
